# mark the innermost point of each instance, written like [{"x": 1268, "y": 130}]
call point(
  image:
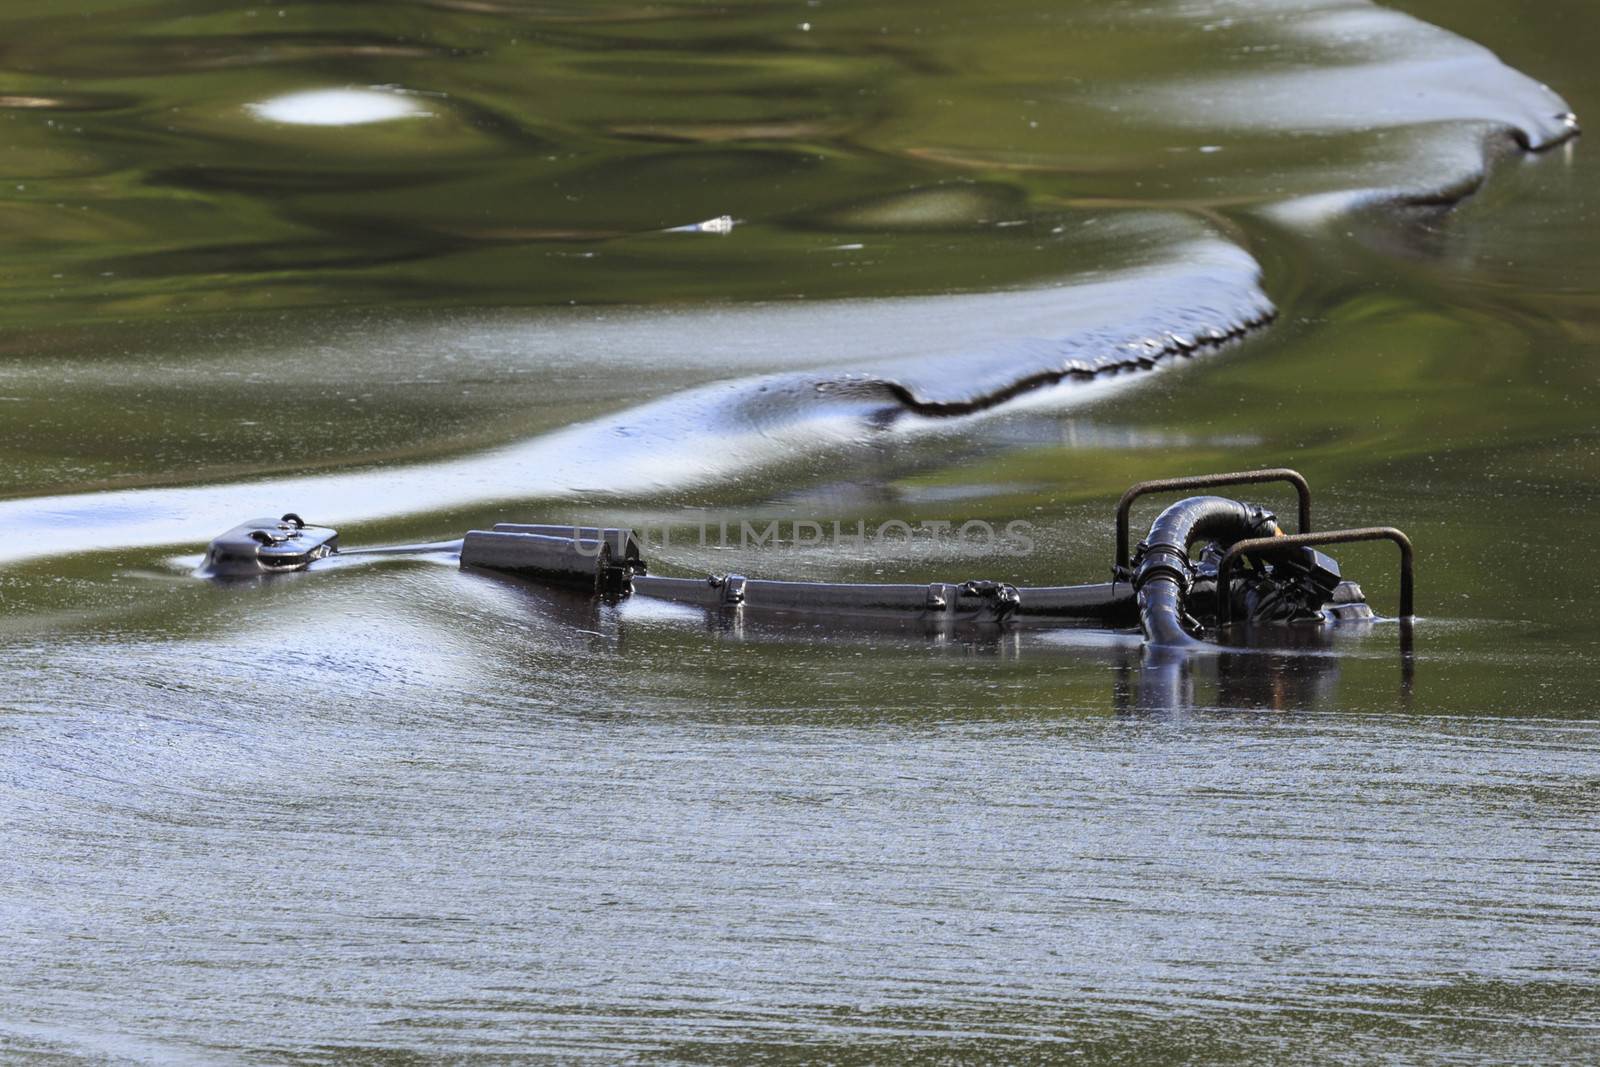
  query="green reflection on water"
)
[{"x": 193, "y": 295}]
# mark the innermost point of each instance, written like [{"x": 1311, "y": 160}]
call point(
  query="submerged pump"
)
[{"x": 1247, "y": 571}]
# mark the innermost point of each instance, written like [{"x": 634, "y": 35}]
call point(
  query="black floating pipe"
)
[
  {"x": 1266, "y": 546},
  {"x": 1107, "y": 603},
  {"x": 575, "y": 563},
  {"x": 1162, "y": 579},
  {"x": 1209, "y": 481}
]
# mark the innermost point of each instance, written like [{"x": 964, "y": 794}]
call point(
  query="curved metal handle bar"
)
[
  {"x": 1268, "y": 545},
  {"x": 1210, "y": 481}
]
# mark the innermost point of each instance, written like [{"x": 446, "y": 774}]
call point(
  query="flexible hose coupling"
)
[{"x": 1163, "y": 559}]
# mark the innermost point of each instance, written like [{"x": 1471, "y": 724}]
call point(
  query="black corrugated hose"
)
[{"x": 1162, "y": 571}]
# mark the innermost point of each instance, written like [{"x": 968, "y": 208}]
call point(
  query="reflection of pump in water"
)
[
  {"x": 1247, "y": 569},
  {"x": 1163, "y": 682}
]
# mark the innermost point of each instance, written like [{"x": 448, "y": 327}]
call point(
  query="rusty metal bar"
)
[
  {"x": 1209, "y": 481},
  {"x": 1267, "y": 545}
]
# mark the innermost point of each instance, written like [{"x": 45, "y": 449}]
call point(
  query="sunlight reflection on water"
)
[{"x": 338, "y": 107}]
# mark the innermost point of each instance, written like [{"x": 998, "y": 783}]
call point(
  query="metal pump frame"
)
[{"x": 1209, "y": 481}]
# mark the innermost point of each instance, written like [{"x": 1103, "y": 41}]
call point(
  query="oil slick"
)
[{"x": 918, "y": 362}]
